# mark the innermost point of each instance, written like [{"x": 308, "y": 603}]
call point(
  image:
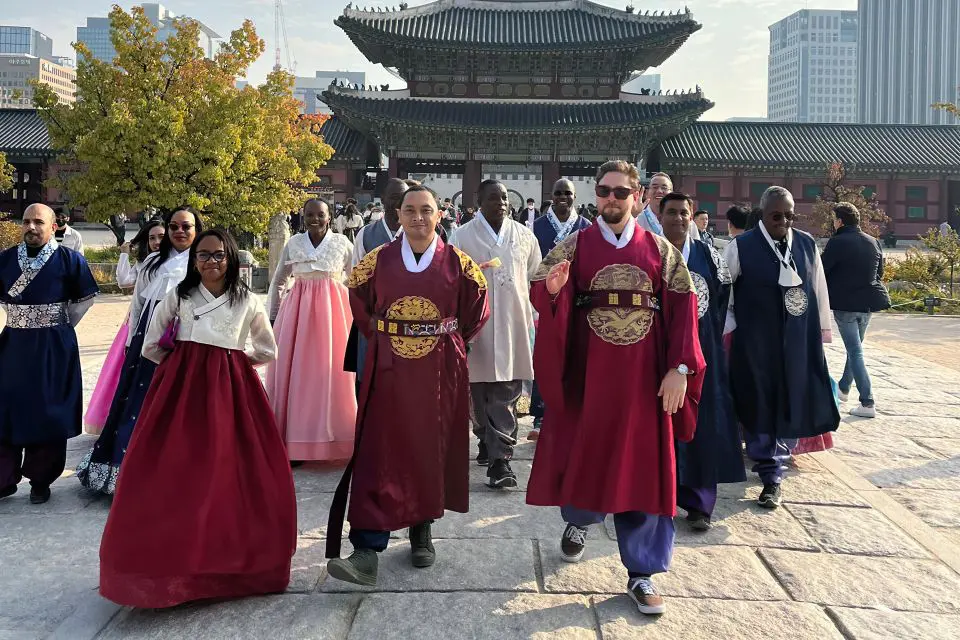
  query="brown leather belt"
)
[
  {"x": 416, "y": 328},
  {"x": 622, "y": 298}
]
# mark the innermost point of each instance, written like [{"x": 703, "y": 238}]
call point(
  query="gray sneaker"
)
[
  {"x": 422, "y": 553},
  {"x": 360, "y": 568}
]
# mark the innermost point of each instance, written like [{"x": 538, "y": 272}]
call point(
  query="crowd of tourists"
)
[{"x": 657, "y": 361}]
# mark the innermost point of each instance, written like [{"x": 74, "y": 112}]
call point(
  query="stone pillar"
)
[
  {"x": 279, "y": 233},
  {"x": 393, "y": 168},
  {"x": 472, "y": 177},
  {"x": 551, "y": 173}
]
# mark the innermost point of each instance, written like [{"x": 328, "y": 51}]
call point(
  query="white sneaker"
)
[
  {"x": 843, "y": 396},
  {"x": 864, "y": 412}
]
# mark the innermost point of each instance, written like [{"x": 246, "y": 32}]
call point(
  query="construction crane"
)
[{"x": 280, "y": 26}]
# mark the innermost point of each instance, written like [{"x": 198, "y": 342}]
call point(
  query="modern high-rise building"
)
[
  {"x": 25, "y": 40},
  {"x": 96, "y": 34},
  {"x": 909, "y": 60},
  {"x": 17, "y": 69},
  {"x": 812, "y": 67}
]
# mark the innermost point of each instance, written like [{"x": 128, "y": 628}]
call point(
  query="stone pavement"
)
[{"x": 867, "y": 546}]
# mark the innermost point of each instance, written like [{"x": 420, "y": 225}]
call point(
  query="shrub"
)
[
  {"x": 923, "y": 271},
  {"x": 10, "y": 234},
  {"x": 102, "y": 255}
]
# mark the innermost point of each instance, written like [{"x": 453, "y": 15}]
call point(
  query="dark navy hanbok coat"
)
[{"x": 41, "y": 390}]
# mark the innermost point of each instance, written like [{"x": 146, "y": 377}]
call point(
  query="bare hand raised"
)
[{"x": 558, "y": 277}]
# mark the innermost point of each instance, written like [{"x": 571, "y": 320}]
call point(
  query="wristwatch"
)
[{"x": 683, "y": 370}]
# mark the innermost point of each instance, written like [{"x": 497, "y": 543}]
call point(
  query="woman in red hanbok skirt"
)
[
  {"x": 206, "y": 508},
  {"x": 145, "y": 243}
]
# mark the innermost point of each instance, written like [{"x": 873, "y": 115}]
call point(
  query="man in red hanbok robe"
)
[
  {"x": 618, "y": 355},
  {"x": 418, "y": 301}
]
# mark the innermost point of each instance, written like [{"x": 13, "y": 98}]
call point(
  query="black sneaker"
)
[
  {"x": 359, "y": 568},
  {"x": 6, "y": 492},
  {"x": 770, "y": 496},
  {"x": 648, "y": 600},
  {"x": 39, "y": 495},
  {"x": 572, "y": 543},
  {"x": 501, "y": 475},
  {"x": 698, "y": 520},
  {"x": 421, "y": 546},
  {"x": 482, "y": 458}
]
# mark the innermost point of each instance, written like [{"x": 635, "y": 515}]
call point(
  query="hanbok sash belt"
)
[
  {"x": 616, "y": 298},
  {"x": 416, "y": 328},
  {"x": 36, "y": 316},
  {"x": 315, "y": 275}
]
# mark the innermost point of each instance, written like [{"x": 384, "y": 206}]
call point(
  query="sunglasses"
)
[
  {"x": 174, "y": 226},
  {"x": 779, "y": 217},
  {"x": 620, "y": 193},
  {"x": 563, "y": 193},
  {"x": 204, "y": 256}
]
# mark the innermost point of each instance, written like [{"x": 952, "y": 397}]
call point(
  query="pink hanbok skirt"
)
[
  {"x": 313, "y": 398},
  {"x": 106, "y": 387}
]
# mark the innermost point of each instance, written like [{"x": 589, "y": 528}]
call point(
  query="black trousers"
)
[{"x": 41, "y": 463}]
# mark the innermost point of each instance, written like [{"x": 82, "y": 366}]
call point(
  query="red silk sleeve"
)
[
  {"x": 683, "y": 347},
  {"x": 550, "y": 348}
]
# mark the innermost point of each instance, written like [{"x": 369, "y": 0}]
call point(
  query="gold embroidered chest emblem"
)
[
  {"x": 413, "y": 308},
  {"x": 621, "y": 325}
]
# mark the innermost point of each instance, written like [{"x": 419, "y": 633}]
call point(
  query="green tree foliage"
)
[
  {"x": 947, "y": 246},
  {"x": 836, "y": 188},
  {"x": 163, "y": 126},
  {"x": 6, "y": 174}
]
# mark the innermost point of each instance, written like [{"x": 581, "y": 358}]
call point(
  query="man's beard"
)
[
  {"x": 32, "y": 240},
  {"x": 614, "y": 215}
]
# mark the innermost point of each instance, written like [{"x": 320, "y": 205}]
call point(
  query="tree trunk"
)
[{"x": 279, "y": 232}]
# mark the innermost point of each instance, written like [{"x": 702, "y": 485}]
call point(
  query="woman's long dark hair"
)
[
  {"x": 141, "y": 242},
  {"x": 166, "y": 245},
  {"x": 234, "y": 287}
]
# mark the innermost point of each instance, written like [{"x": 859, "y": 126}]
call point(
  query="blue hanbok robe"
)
[
  {"x": 714, "y": 455},
  {"x": 546, "y": 233},
  {"x": 778, "y": 369},
  {"x": 41, "y": 390}
]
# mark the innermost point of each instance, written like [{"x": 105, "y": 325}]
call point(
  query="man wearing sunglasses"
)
[
  {"x": 619, "y": 363},
  {"x": 561, "y": 220},
  {"x": 779, "y": 314}
]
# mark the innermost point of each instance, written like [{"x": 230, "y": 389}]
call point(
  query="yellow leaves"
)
[{"x": 6, "y": 174}]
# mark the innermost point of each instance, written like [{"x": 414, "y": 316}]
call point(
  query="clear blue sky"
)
[{"x": 728, "y": 57}]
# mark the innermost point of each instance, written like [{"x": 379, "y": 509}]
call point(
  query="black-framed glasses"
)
[
  {"x": 620, "y": 193},
  {"x": 177, "y": 226},
  {"x": 216, "y": 256},
  {"x": 569, "y": 194},
  {"x": 780, "y": 217}
]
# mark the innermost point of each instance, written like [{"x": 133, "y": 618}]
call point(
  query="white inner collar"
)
[
  {"x": 410, "y": 260},
  {"x": 611, "y": 237},
  {"x": 390, "y": 234},
  {"x": 497, "y": 237}
]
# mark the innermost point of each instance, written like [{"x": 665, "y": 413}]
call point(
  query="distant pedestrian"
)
[
  {"x": 702, "y": 218},
  {"x": 66, "y": 235},
  {"x": 853, "y": 264},
  {"x": 738, "y": 217}
]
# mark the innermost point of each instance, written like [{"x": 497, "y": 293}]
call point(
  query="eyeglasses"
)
[
  {"x": 175, "y": 226},
  {"x": 218, "y": 256},
  {"x": 779, "y": 217},
  {"x": 620, "y": 193},
  {"x": 563, "y": 193}
]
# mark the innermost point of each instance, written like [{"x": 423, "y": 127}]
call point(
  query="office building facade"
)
[
  {"x": 812, "y": 67},
  {"x": 909, "y": 60},
  {"x": 14, "y": 39},
  {"x": 17, "y": 69}
]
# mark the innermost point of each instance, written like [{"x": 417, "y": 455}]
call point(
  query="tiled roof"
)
[
  {"x": 22, "y": 132},
  {"x": 347, "y": 143},
  {"x": 521, "y": 24},
  {"x": 515, "y": 115},
  {"x": 914, "y": 148}
]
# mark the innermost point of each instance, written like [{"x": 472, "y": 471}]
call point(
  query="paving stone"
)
[
  {"x": 743, "y": 522},
  {"x": 858, "y": 581},
  {"x": 923, "y": 410},
  {"x": 936, "y": 508},
  {"x": 66, "y": 497},
  {"x": 874, "y": 624},
  {"x": 947, "y": 447},
  {"x": 913, "y": 473},
  {"x": 911, "y": 427},
  {"x": 293, "y": 616},
  {"x": 950, "y": 533},
  {"x": 313, "y": 511},
  {"x": 440, "y": 616},
  {"x": 927, "y": 395},
  {"x": 868, "y": 445},
  {"x": 505, "y": 514},
  {"x": 711, "y": 619},
  {"x": 802, "y": 488},
  {"x": 309, "y": 565},
  {"x": 725, "y": 572},
  {"x": 82, "y": 442},
  {"x": 479, "y": 479},
  {"x": 316, "y": 477},
  {"x": 856, "y": 531},
  {"x": 462, "y": 565}
]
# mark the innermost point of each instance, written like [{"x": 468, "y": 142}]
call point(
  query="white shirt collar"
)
[
  {"x": 611, "y": 237},
  {"x": 497, "y": 237},
  {"x": 390, "y": 234},
  {"x": 410, "y": 260},
  {"x": 686, "y": 249}
]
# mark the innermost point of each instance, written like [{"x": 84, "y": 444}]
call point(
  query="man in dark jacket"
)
[{"x": 853, "y": 264}]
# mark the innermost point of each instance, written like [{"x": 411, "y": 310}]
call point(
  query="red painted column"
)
[
  {"x": 551, "y": 173},
  {"x": 472, "y": 177}
]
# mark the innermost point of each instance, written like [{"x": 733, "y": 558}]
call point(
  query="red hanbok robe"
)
[
  {"x": 411, "y": 457},
  {"x": 607, "y": 445}
]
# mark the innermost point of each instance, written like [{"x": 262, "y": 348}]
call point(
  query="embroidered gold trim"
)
[
  {"x": 411, "y": 308},
  {"x": 364, "y": 270},
  {"x": 621, "y": 325},
  {"x": 470, "y": 269},
  {"x": 563, "y": 251},
  {"x": 676, "y": 276}
]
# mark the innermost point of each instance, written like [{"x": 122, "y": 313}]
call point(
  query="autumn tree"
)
[
  {"x": 162, "y": 126},
  {"x": 6, "y": 174},
  {"x": 837, "y": 188},
  {"x": 947, "y": 245}
]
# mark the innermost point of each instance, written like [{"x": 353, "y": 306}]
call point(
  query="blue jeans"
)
[{"x": 853, "y": 327}]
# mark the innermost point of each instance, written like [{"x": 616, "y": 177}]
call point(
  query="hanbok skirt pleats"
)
[
  {"x": 313, "y": 398},
  {"x": 206, "y": 508},
  {"x": 106, "y": 388}
]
